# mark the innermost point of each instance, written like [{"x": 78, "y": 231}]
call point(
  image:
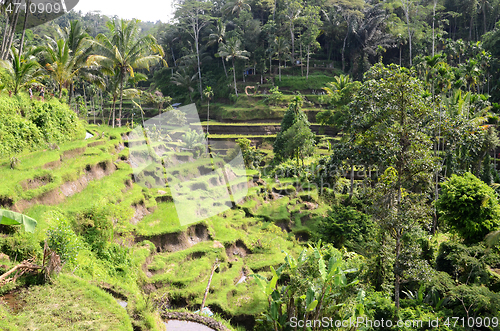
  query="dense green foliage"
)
[
  {"x": 469, "y": 207},
  {"x": 62, "y": 239},
  {"x": 28, "y": 125},
  {"x": 295, "y": 139},
  {"x": 347, "y": 227}
]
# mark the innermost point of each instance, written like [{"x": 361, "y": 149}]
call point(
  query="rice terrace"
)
[{"x": 250, "y": 165}]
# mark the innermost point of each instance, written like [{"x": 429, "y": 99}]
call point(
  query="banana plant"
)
[
  {"x": 306, "y": 295},
  {"x": 8, "y": 217},
  {"x": 274, "y": 297}
]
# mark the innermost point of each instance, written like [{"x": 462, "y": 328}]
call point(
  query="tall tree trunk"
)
[
  {"x": 84, "y": 96},
  {"x": 5, "y": 34},
  {"x": 12, "y": 34},
  {"x": 343, "y": 46},
  {"x": 471, "y": 25},
  {"x": 308, "y": 55},
  {"x": 70, "y": 94},
  {"x": 9, "y": 35},
  {"x": 400, "y": 55},
  {"x": 199, "y": 67},
  {"x": 270, "y": 65},
  {"x": 351, "y": 190},
  {"x": 279, "y": 66},
  {"x": 208, "y": 113},
  {"x": 224, "y": 65},
  {"x": 121, "y": 101},
  {"x": 433, "y": 20},
  {"x": 397, "y": 280},
  {"x": 21, "y": 44},
  {"x": 101, "y": 99},
  {"x": 409, "y": 35},
  {"x": 173, "y": 56},
  {"x": 484, "y": 16},
  {"x": 234, "y": 76},
  {"x": 293, "y": 44},
  {"x": 301, "y": 66}
]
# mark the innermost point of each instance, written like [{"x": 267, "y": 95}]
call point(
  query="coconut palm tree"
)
[
  {"x": 237, "y": 6},
  {"x": 231, "y": 50},
  {"x": 281, "y": 48},
  {"x": 218, "y": 37},
  {"x": 21, "y": 71},
  {"x": 65, "y": 57},
  {"x": 183, "y": 79},
  {"x": 124, "y": 52}
]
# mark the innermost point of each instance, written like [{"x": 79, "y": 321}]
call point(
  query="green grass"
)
[
  {"x": 71, "y": 168},
  {"x": 301, "y": 83},
  {"x": 237, "y": 136},
  {"x": 204, "y": 124},
  {"x": 275, "y": 210},
  {"x": 68, "y": 304},
  {"x": 163, "y": 220}
]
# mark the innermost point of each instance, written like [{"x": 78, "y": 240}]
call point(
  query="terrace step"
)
[{"x": 261, "y": 130}]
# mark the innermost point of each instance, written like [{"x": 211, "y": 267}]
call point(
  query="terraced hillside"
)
[{"x": 150, "y": 261}]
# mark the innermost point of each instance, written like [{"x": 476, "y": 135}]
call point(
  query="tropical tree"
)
[
  {"x": 237, "y": 6},
  {"x": 391, "y": 114},
  {"x": 281, "y": 48},
  {"x": 65, "y": 57},
  {"x": 11, "y": 19},
  {"x": 291, "y": 12},
  {"x": 349, "y": 11},
  {"x": 183, "y": 79},
  {"x": 231, "y": 50},
  {"x": 193, "y": 16},
  {"x": 125, "y": 51},
  {"x": 21, "y": 71},
  {"x": 341, "y": 92},
  {"x": 312, "y": 22},
  {"x": 217, "y": 37}
]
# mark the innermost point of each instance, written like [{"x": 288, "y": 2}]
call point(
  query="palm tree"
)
[
  {"x": 181, "y": 78},
  {"x": 65, "y": 57},
  {"x": 208, "y": 93},
  {"x": 124, "y": 52},
  {"x": 21, "y": 71},
  {"x": 339, "y": 83},
  {"x": 237, "y": 6},
  {"x": 281, "y": 47},
  {"x": 218, "y": 37},
  {"x": 231, "y": 50}
]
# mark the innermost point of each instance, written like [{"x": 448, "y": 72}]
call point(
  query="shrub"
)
[
  {"x": 96, "y": 228},
  {"x": 346, "y": 226},
  {"x": 469, "y": 207},
  {"x": 276, "y": 97},
  {"x": 27, "y": 125},
  {"x": 62, "y": 239},
  {"x": 21, "y": 246},
  {"x": 251, "y": 156}
]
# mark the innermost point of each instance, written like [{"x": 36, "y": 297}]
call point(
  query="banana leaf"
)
[{"x": 8, "y": 217}]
